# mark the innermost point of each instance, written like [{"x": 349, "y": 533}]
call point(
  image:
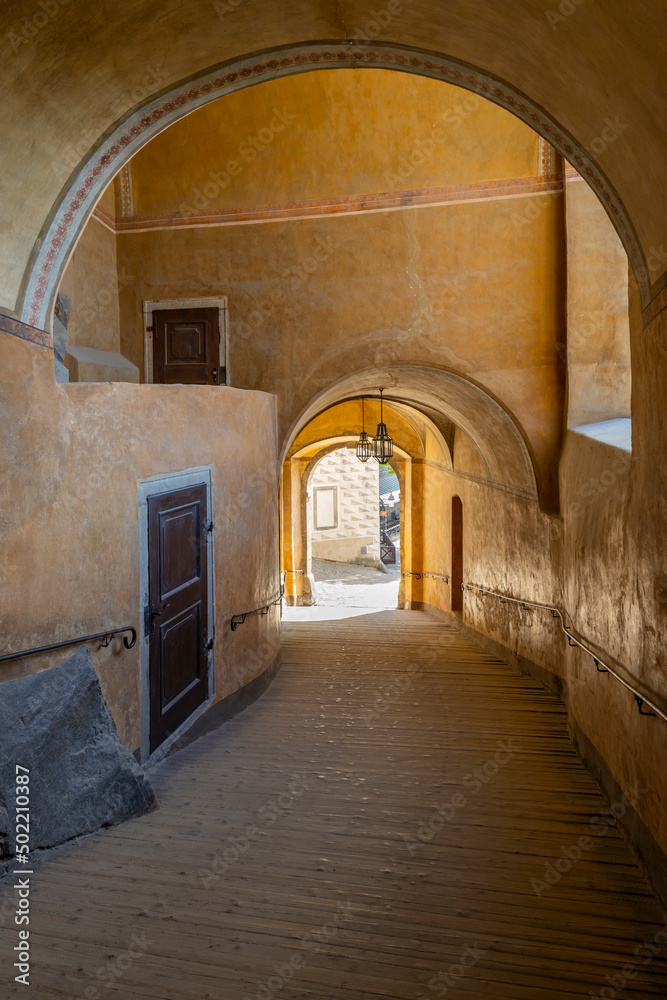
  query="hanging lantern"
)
[
  {"x": 364, "y": 447},
  {"x": 383, "y": 446}
]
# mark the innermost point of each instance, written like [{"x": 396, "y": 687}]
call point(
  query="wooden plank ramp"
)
[{"x": 371, "y": 828}]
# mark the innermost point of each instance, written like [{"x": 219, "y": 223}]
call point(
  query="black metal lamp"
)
[
  {"x": 383, "y": 446},
  {"x": 364, "y": 447}
]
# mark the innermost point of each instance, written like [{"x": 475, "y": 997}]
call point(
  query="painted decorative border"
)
[
  {"x": 383, "y": 201},
  {"x": 126, "y": 191},
  {"x": 16, "y": 328},
  {"x": 546, "y": 158},
  {"x": 106, "y": 161}
]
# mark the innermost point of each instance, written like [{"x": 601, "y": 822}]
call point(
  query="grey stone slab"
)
[
  {"x": 57, "y": 723},
  {"x": 60, "y": 324},
  {"x": 62, "y": 375}
]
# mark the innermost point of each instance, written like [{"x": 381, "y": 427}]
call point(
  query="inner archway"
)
[
  {"x": 351, "y": 559},
  {"x": 422, "y": 551}
]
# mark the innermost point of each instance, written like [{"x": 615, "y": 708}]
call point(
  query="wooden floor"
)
[{"x": 278, "y": 865}]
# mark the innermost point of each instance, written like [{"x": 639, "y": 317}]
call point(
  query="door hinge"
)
[
  {"x": 150, "y": 329},
  {"x": 209, "y": 645},
  {"x": 209, "y": 527}
]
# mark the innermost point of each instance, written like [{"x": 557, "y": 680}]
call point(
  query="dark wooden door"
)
[
  {"x": 177, "y": 614},
  {"x": 186, "y": 347}
]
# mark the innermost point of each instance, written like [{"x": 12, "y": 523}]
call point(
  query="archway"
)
[
  {"x": 346, "y": 563},
  {"x": 76, "y": 204},
  {"x": 337, "y": 427}
]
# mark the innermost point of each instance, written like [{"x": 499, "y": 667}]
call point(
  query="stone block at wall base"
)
[
  {"x": 57, "y": 724},
  {"x": 62, "y": 374}
]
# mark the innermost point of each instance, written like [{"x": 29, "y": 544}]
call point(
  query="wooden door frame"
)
[
  {"x": 157, "y": 486},
  {"x": 153, "y": 305}
]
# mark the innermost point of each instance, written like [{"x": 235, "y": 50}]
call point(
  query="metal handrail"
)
[
  {"x": 237, "y": 620},
  {"x": 108, "y": 636},
  {"x": 575, "y": 639},
  {"x": 423, "y": 576}
]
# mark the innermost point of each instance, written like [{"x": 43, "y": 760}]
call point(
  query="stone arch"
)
[
  {"x": 306, "y": 450},
  {"x": 493, "y": 429},
  {"x": 70, "y": 214}
]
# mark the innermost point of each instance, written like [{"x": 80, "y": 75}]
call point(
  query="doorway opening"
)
[
  {"x": 457, "y": 554},
  {"x": 354, "y": 563}
]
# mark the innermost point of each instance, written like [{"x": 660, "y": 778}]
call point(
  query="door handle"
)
[{"x": 151, "y": 612}]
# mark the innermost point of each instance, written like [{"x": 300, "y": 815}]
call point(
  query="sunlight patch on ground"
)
[
  {"x": 323, "y": 614},
  {"x": 346, "y": 591}
]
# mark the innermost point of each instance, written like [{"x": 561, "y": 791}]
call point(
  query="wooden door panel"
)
[
  {"x": 179, "y": 534},
  {"x": 178, "y": 638},
  {"x": 186, "y": 346},
  {"x": 186, "y": 342},
  {"x": 178, "y": 610}
]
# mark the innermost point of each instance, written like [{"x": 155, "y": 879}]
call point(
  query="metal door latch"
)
[{"x": 151, "y": 612}]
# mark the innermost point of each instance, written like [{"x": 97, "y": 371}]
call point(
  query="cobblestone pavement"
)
[{"x": 340, "y": 585}]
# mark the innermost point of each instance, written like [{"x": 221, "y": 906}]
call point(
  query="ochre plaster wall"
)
[
  {"x": 71, "y": 459},
  {"x": 75, "y": 73},
  {"x": 467, "y": 457},
  {"x": 598, "y": 330},
  {"x": 469, "y": 287},
  {"x": 328, "y": 134},
  {"x": 615, "y": 512},
  {"x": 602, "y": 563},
  {"x": 92, "y": 283}
]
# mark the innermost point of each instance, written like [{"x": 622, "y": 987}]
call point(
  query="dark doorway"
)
[
  {"x": 177, "y": 613},
  {"x": 186, "y": 347},
  {"x": 457, "y": 554}
]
